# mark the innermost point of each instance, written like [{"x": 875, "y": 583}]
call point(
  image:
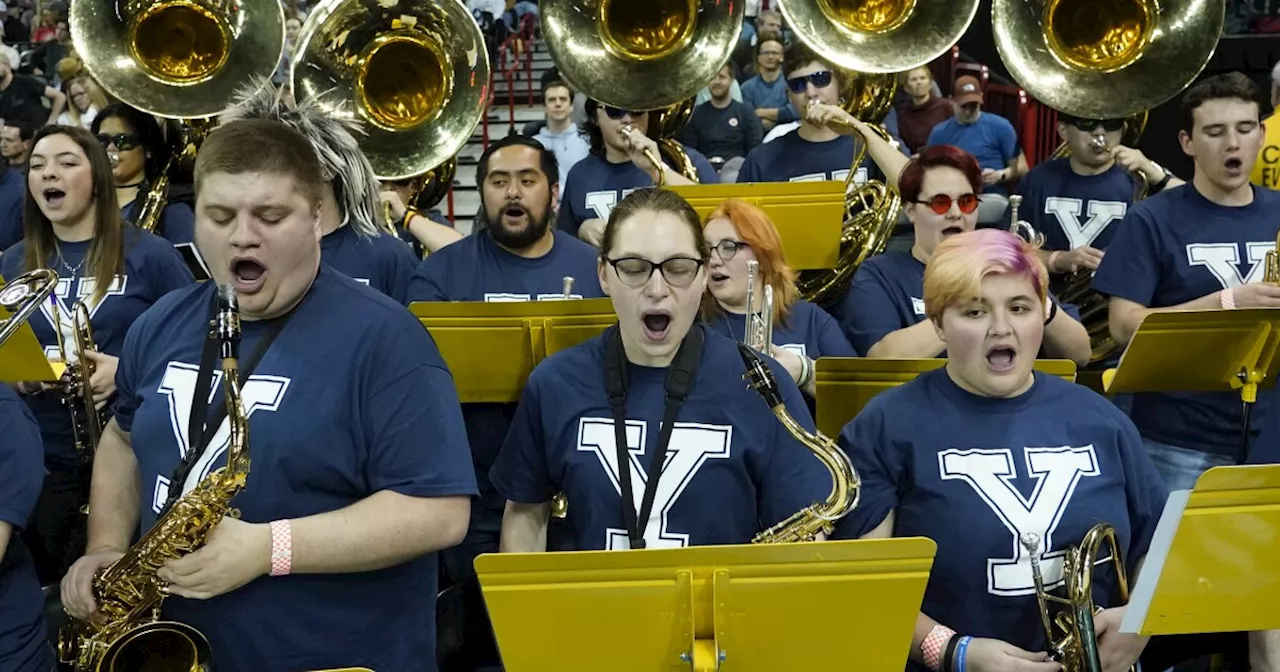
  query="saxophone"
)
[
  {"x": 128, "y": 593},
  {"x": 805, "y": 524}
]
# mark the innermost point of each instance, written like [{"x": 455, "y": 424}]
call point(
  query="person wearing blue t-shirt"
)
[
  {"x": 139, "y": 153},
  {"x": 615, "y": 167},
  {"x": 357, "y": 242},
  {"x": 24, "y": 644},
  {"x": 347, "y": 499},
  {"x": 990, "y": 138},
  {"x": 738, "y": 232},
  {"x": 732, "y": 471},
  {"x": 883, "y": 313},
  {"x": 515, "y": 254},
  {"x": 813, "y": 152},
  {"x": 1200, "y": 246},
  {"x": 118, "y": 271},
  {"x": 1006, "y": 452},
  {"x": 13, "y": 193}
]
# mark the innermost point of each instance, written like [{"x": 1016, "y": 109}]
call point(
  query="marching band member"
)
[
  {"x": 351, "y": 212},
  {"x": 1007, "y": 451},
  {"x": 615, "y": 166},
  {"x": 732, "y": 468},
  {"x": 516, "y": 254},
  {"x": 738, "y": 232},
  {"x": 24, "y": 644},
  {"x": 140, "y": 154},
  {"x": 73, "y": 227},
  {"x": 1198, "y": 246},
  {"x": 1074, "y": 201},
  {"x": 348, "y": 498},
  {"x": 425, "y": 232},
  {"x": 884, "y": 310}
]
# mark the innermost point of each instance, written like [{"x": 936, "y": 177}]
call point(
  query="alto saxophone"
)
[
  {"x": 1077, "y": 647},
  {"x": 77, "y": 398},
  {"x": 128, "y": 592},
  {"x": 805, "y": 524}
]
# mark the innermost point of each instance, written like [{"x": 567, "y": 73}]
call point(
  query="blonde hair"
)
[{"x": 955, "y": 271}]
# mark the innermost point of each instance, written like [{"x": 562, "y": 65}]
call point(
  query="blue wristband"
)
[{"x": 961, "y": 649}]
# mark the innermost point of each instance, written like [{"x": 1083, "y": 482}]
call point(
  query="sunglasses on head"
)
[
  {"x": 618, "y": 112},
  {"x": 941, "y": 204},
  {"x": 1088, "y": 125},
  {"x": 819, "y": 80},
  {"x": 123, "y": 141}
]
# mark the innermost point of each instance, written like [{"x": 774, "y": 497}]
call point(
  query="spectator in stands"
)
[
  {"x": 616, "y": 166},
  {"x": 560, "y": 134},
  {"x": 15, "y": 145},
  {"x": 21, "y": 98},
  {"x": 13, "y": 195},
  {"x": 722, "y": 128},
  {"x": 16, "y": 30},
  {"x": 292, "y": 28},
  {"x": 769, "y": 23},
  {"x": 10, "y": 54},
  {"x": 988, "y": 137},
  {"x": 47, "y": 31},
  {"x": 923, "y": 111},
  {"x": 46, "y": 57},
  {"x": 766, "y": 93},
  {"x": 813, "y": 152},
  {"x": 1266, "y": 172}
]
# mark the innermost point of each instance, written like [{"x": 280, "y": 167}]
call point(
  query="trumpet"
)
[
  {"x": 759, "y": 330},
  {"x": 1077, "y": 647},
  {"x": 1021, "y": 227},
  {"x": 77, "y": 398}
]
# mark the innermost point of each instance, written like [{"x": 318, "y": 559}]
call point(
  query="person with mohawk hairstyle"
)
[{"x": 357, "y": 240}]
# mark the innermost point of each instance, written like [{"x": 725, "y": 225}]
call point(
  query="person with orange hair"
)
[
  {"x": 1006, "y": 453},
  {"x": 739, "y": 232}
]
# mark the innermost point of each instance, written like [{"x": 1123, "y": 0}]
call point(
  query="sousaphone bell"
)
[{"x": 885, "y": 36}]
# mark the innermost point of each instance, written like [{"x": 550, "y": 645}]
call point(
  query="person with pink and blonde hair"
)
[
  {"x": 995, "y": 462},
  {"x": 739, "y": 232}
]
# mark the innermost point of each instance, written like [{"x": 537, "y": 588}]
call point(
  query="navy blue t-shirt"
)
[
  {"x": 13, "y": 198},
  {"x": 791, "y": 158},
  {"x": 384, "y": 263},
  {"x": 177, "y": 220},
  {"x": 1175, "y": 247},
  {"x": 1074, "y": 210},
  {"x": 24, "y": 645},
  {"x": 1055, "y": 460},
  {"x": 152, "y": 268},
  {"x": 351, "y": 399},
  {"x": 731, "y": 469},
  {"x": 888, "y": 295},
  {"x": 477, "y": 269},
  {"x": 807, "y": 331},
  {"x": 594, "y": 186}
]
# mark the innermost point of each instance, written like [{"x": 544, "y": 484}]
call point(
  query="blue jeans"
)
[{"x": 1180, "y": 467}]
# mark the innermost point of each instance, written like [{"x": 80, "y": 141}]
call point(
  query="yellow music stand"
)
[
  {"x": 749, "y": 607},
  {"x": 809, "y": 215},
  {"x": 492, "y": 347},
  {"x": 22, "y": 358},
  {"x": 846, "y": 384},
  {"x": 1212, "y": 565},
  {"x": 1201, "y": 351}
]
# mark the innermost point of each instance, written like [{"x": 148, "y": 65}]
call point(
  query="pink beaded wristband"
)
[
  {"x": 281, "y": 547},
  {"x": 1229, "y": 298},
  {"x": 933, "y": 645}
]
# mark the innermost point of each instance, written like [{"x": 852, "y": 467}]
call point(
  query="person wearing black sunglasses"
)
[
  {"x": 883, "y": 314},
  {"x": 615, "y": 166},
  {"x": 666, "y": 387},
  {"x": 812, "y": 152},
  {"x": 1075, "y": 201}
]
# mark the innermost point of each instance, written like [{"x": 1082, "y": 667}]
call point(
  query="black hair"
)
[
  {"x": 152, "y": 141},
  {"x": 546, "y": 158}
]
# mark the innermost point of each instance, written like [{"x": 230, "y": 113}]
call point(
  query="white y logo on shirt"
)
[
  {"x": 1223, "y": 261},
  {"x": 1067, "y": 212}
]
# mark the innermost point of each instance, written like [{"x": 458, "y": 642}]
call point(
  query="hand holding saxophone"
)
[
  {"x": 236, "y": 553},
  {"x": 1117, "y": 651},
  {"x": 77, "y": 586},
  {"x": 993, "y": 655}
]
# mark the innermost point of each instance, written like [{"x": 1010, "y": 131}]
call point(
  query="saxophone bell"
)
[{"x": 759, "y": 330}]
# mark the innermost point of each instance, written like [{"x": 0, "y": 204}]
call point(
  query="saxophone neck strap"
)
[
  {"x": 200, "y": 427},
  {"x": 678, "y": 385}
]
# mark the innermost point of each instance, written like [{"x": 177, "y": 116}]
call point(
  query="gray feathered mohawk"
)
[{"x": 334, "y": 139}]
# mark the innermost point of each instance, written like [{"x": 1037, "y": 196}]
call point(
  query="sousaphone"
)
[{"x": 879, "y": 36}]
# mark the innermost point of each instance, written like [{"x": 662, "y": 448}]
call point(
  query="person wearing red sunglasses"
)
[{"x": 883, "y": 314}]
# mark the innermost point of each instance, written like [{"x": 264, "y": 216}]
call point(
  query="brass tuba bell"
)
[
  {"x": 415, "y": 73},
  {"x": 640, "y": 54},
  {"x": 879, "y": 36},
  {"x": 180, "y": 59},
  {"x": 1106, "y": 59}
]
